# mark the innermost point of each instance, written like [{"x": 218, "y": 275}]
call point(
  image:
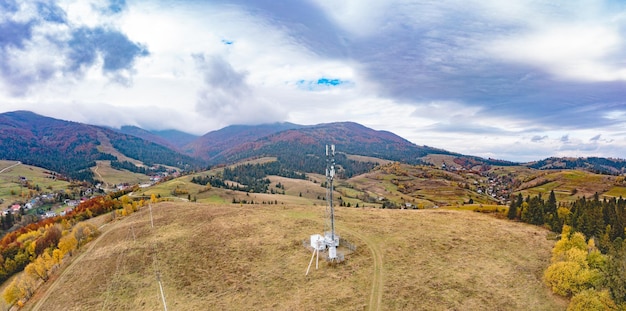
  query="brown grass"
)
[
  {"x": 227, "y": 257},
  {"x": 104, "y": 172}
]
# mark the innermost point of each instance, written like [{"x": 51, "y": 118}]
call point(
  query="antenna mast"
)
[{"x": 331, "y": 239}]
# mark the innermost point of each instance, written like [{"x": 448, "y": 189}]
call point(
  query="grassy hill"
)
[
  {"x": 11, "y": 187},
  {"x": 571, "y": 184},
  {"x": 110, "y": 176},
  {"x": 251, "y": 257}
]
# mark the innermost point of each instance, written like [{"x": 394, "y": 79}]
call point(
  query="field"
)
[
  {"x": 251, "y": 257},
  {"x": 110, "y": 176},
  {"x": 568, "y": 185},
  {"x": 11, "y": 187}
]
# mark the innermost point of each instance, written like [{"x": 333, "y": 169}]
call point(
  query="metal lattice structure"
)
[{"x": 331, "y": 239}]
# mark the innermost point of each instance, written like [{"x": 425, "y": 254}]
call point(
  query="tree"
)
[
  {"x": 576, "y": 265},
  {"x": 616, "y": 272},
  {"x": 37, "y": 269},
  {"x": 57, "y": 256},
  {"x": 11, "y": 293},
  {"x": 592, "y": 300},
  {"x": 68, "y": 244},
  {"x": 512, "y": 213}
]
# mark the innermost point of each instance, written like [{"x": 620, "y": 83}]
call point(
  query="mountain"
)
[
  {"x": 71, "y": 148},
  {"x": 349, "y": 137},
  {"x": 172, "y": 139},
  {"x": 146, "y": 135},
  {"x": 211, "y": 145},
  {"x": 176, "y": 138}
]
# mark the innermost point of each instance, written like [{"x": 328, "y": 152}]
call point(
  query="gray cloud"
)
[
  {"x": 117, "y": 51},
  {"x": 227, "y": 97},
  {"x": 538, "y": 138},
  {"x": 78, "y": 48}
]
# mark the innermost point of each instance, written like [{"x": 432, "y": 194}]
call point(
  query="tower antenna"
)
[{"x": 330, "y": 238}]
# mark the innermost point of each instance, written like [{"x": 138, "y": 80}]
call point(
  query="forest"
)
[
  {"x": 151, "y": 153},
  {"x": 248, "y": 177},
  {"x": 129, "y": 166},
  {"x": 589, "y": 260}
]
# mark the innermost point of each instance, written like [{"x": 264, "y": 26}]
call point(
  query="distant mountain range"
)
[{"x": 72, "y": 148}]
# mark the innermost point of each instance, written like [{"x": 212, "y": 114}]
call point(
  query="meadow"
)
[{"x": 251, "y": 257}]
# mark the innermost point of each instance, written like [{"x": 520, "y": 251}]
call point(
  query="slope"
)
[
  {"x": 226, "y": 257},
  {"x": 71, "y": 148},
  {"x": 212, "y": 144}
]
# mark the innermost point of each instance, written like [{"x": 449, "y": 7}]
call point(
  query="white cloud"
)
[{"x": 573, "y": 51}]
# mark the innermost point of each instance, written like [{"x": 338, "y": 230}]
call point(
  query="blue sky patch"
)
[
  {"x": 321, "y": 84},
  {"x": 50, "y": 12},
  {"x": 329, "y": 82}
]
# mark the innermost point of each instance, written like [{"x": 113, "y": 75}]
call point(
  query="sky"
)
[{"x": 513, "y": 80}]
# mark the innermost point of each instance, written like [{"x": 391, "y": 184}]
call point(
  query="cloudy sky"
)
[{"x": 515, "y": 80}]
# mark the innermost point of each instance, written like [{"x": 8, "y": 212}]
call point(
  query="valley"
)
[{"x": 235, "y": 206}]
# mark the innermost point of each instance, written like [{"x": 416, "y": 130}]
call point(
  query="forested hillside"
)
[{"x": 71, "y": 148}]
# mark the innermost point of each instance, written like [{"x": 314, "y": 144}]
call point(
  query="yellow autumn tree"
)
[
  {"x": 592, "y": 300},
  {"x": 576, "y": 265},
  {"x": 11, "y": 293},
  {"x": 68, "y": 244},
  {"x": 57, "y": 256}
]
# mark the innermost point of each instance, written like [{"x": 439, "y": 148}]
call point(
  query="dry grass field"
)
[
  {"x": 110, "y": 176},
  {"x": 251, "y": 257}
]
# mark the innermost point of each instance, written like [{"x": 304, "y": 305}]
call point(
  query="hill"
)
[
  {"x": 16, "y": 178},
  {"x": 172, "y": 139},
  {"x": 211, "y": 145},
  {"x": 72, "y": 148},
  {"x": 226, "y": 257},
  {"x": 349, "y": 138},
  {"x": 593, "y": 164},
  {"x": 146, "y": 135}
]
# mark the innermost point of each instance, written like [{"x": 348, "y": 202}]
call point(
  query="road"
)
[
  {"x": 12, "y": 166},
  {"x": 376, "y": 294}
]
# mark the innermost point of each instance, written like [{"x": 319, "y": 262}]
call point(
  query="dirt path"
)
[
  {"x": 376, "y": 295},
  {"x": 9, "y": 167},
  {"x": 46, "y": 294},
  {"x": 95, "y": 170}
]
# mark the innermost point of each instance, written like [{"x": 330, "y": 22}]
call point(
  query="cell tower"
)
[{"x": 330, "y": 238}]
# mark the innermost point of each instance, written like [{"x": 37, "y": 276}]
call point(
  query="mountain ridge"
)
[{"x": 72, "y": 148}]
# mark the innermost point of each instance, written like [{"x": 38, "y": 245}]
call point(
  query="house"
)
[
  {"x": 65, "y": 211},
  {"x": 15, "y": 208},
  {"x": 49, "y": 214}
]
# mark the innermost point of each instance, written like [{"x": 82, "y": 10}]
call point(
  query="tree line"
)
[
  {"x": 588, "y": 263},
  {"x": 248, "y": 177},
  {"x": 39, "y": 247},
  {"x": 131, "y": 167}
]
